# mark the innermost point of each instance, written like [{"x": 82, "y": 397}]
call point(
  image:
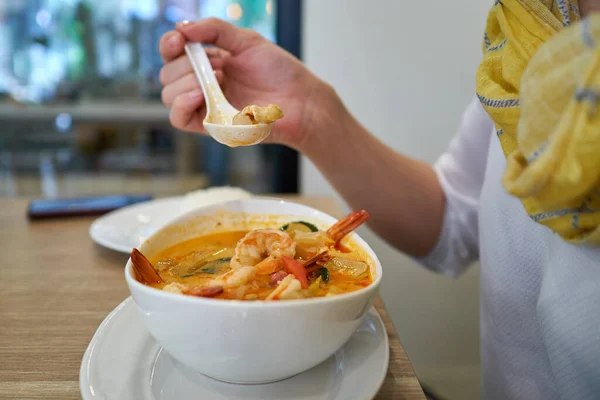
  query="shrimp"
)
[
  {"x": 234, "y": 278},
  {"x": 346, "y": 225},
  {"x": 263, "y": 249},
  {"x": 144, "y": 270},
  {"x": 202, "y": 291},
  {"x": 288, "y": 288}
]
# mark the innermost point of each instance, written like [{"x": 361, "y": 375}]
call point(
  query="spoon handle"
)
[{"x": 215, "y": 99}]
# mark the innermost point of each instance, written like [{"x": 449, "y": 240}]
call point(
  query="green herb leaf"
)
[
  {"x": 324, "y": 272},
  {"x": 209, "y": 267},
  {"x": 301, "y": 226}
]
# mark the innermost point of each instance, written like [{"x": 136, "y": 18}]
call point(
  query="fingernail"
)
[
  {"x": 196, "y": 94},
  {"x": 173, "y": 39},
  {"x": 183, "y": 23}
]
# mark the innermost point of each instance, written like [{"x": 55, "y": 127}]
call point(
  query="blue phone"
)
[{"x": 81, "y": 206}]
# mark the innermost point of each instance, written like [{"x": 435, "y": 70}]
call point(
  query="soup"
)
[{"x": 295, "y": 261}]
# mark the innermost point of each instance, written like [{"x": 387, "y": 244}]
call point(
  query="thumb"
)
[{"x": 219, "y": 33}]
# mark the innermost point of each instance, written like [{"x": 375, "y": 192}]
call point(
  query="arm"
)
[
  {"x": 461, "y": 173},
  {"x": 427, "y": 212},
  {"x": 403, "y": 195}
]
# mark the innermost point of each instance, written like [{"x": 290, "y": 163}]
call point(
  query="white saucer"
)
[
  {"x": 123, "y": 362},
  {"x": 127, "y": 227}
]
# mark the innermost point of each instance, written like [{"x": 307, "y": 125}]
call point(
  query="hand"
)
[{"x": 250, "y": 69}]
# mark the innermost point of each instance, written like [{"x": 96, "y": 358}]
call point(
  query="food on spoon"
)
[
  {"x": 264, "y": 264},
  {"x": 253, "y": 115}
]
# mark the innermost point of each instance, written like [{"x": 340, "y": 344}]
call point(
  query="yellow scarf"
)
[{"x": 540, "y": 82}]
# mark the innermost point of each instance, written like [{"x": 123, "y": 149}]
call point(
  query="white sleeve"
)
[{"x": 461, "y": 171}]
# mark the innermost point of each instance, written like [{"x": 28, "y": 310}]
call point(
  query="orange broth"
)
[{"x": 197, "y": 261}]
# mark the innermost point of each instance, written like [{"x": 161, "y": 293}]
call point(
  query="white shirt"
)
[{"x": 540, "y": 296}]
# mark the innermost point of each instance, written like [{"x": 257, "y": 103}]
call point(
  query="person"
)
[{"x": 527, "y": 204}]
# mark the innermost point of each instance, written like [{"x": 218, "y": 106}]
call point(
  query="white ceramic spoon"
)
[{"x": 219, "y": 113}]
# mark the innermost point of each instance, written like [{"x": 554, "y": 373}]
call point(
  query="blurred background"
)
[
  {"x": 80, "y": 113},
  {"x": 80, "y": 100}
]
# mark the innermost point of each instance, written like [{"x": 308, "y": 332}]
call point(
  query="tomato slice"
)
[{"x": 292, "y": 266}]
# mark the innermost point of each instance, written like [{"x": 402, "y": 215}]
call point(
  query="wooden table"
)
[
  {"x": 56, "y": 286},
  {"x": 67, "y": 185}
]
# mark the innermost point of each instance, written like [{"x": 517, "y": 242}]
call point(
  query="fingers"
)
[
  {"x": 185, "y": 99},
  {"x": 171, "y": 45},
  {"x": 187, "y": 112},
  {"x": 184, "y": 84},
  {"x": 181, "y": 66},
  {"x": 172, "y": 71},
  {"x": 217, "y": 61},
  {"x": 213, "y": 51},
  {"x": 220, "y": 33},
  {"x": 181, "y": 92}
]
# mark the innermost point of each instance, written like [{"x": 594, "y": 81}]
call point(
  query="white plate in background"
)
[{"x": 123, "y": 229}]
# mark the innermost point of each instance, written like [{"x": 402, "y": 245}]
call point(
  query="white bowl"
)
[{"x": 248, "y": 341}]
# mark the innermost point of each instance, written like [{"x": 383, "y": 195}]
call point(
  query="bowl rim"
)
[{"x": 151, "y": 291}]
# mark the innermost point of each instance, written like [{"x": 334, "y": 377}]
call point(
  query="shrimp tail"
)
[
  {"x": 316, "y": 258},
  {"x": 143, "y": 268},
  {"x": 346, "y": 225}
]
